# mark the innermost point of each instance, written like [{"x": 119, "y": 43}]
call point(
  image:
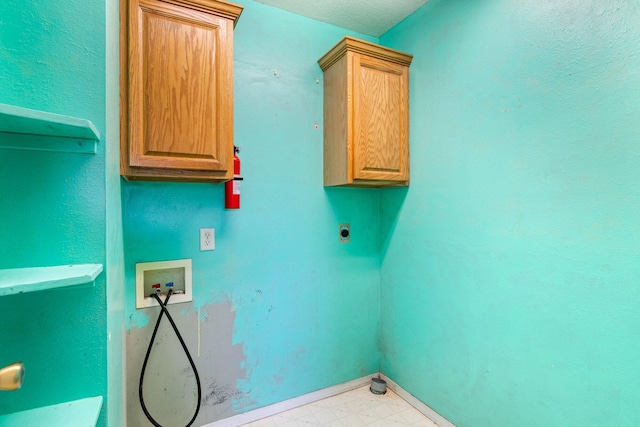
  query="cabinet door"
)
[
  {"x": 380, "y": 89},
  {"x": 181, "y": 88}
]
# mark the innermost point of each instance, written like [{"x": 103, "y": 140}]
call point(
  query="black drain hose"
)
[{"x": 163, "y": 307}]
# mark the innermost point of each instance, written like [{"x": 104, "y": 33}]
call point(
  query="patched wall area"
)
[{"x": 170, "y": 387}]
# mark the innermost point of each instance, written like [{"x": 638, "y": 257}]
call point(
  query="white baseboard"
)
[
  {"x": 416, "y": 403},
  {"x": 276, "y": 408}
]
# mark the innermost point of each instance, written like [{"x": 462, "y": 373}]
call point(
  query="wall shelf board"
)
[
  {"x": 26, "y": 129},
  {"x": 21, "y": 280},
  {"x": 77, "y": 413}
]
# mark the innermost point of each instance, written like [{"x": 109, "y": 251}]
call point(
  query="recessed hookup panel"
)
[
  {"x": 159, "y": 277},
  {"x": 162, "y": 279}
]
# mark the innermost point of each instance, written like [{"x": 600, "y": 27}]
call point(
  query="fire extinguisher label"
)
[{"x": 236, "y": 187}]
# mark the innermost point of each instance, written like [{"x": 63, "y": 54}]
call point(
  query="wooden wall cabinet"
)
[
  {"x": 177, "y": 89},
  {"x": 366, "y": 115}
]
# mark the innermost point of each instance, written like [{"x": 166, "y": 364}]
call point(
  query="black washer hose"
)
[{"x": 163, "y": 307}]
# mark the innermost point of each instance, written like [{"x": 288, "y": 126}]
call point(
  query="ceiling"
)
[{"x": 371, "y": 17}]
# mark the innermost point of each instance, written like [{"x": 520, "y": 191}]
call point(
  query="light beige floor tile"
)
[
  {"x": 367, "y": 419},
  {"x": 425, "y": 423},
  {"x": 383, "y": 410},
  {"x": 353, "y": 421},
  {"x": 411, "y": 415},
  {"x": 279, "y": 419},
  {"x": 296, "y": 413}
]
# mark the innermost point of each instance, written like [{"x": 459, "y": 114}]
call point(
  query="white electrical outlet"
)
[{"x": 207, "y": 239}]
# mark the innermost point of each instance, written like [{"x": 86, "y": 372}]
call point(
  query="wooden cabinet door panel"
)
[
  {"x": 179, "y": 119},
  {"x": 380, "y": 120}
]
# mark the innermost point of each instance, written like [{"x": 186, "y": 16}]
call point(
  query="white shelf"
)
[
  {"x": 21, "y": 280},
  {"x": 78, "y": 413},
  {"x": 26, "y": 129}
]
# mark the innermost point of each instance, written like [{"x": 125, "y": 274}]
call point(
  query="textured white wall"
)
[{"x": 372, "y": 17}]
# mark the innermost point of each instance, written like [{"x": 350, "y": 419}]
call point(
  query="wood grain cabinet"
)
[
  {"x": 177, "y": 89},
  {"x": 366, "y": 115}
]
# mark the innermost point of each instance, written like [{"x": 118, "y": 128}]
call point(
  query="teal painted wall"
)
[
  {"x": 114, "y": 240},
  {"x": 510, "y": 266},
  {"x": 290, "y": 310},
  {"x": 52, "y": 205}
]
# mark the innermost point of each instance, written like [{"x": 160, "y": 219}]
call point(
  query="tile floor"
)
[{"x": 354, "y": 408}]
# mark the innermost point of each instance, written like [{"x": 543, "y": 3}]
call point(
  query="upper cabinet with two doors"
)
[
  {"x": 177, "y": 89},
  {"x": 366, "y": 115}
]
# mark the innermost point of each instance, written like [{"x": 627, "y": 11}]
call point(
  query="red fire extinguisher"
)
[{"x": 232, "y": 187}]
